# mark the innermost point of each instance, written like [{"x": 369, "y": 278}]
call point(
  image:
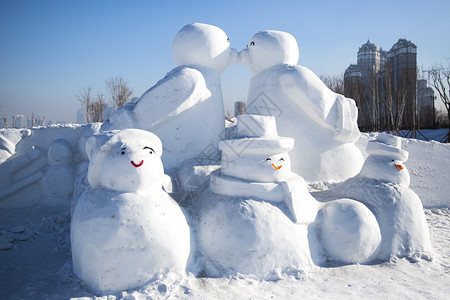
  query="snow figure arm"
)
[
  {"x": 346, "y": 121},
  {"x": 302, "y": 206},
  {"x": 179, "y": 90}
]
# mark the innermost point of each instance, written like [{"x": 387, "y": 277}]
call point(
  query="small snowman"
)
[
  {"x": 322, "y": 123},
  {"x": 383, "y": 186},
  {"x": 188, "y": 100},
  {"x": 254, "y": 217},
  {"x": 125, "y": 229}
]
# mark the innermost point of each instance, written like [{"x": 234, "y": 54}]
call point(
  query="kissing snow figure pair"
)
[
  {"x": 189, "y": 100},
  {"x": 125, "y": 229}
]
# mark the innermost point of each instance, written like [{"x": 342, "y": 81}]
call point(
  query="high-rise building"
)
[
  {"x": 425, "y": 104},
  {"x": 383, "y": 85}
]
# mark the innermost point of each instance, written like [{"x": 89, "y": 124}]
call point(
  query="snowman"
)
[
  {"x": 383, "y": 186},
  {"x": 125, "y": 229},
  {"x": 188, "y": 100},
  {"x": 322, "y": 123},
  {"x": 254, "y": 217}
]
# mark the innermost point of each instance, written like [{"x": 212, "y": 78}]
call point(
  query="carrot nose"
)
[
  {"x": 399, "y": 167},
  {"x": 277, "y": 168}
]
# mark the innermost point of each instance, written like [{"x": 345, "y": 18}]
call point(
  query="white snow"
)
[
  {"x": 185, "y": 109},
  {"x": 83, "y": 213},
  {"x": 322, "y": 122},
  {"x": 125, "y": 229}
]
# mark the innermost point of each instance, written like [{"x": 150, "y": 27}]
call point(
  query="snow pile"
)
[
  {"x": 185, "y": 108},
  {"x": 383, "y": 185},
  {"x": 125, "y": 229},
  {"x": 253, "y": 219},
  {"x": 322, "y": 123}
]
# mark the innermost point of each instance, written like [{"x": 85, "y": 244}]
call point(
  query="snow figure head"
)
[
  {"x": 204, "y": 45},
  {"x": 258, "y": 153},
  {"x": 129, "y": 162},
  {"x": 269, "y": 48},
  {"x": 386, "y": 160}
]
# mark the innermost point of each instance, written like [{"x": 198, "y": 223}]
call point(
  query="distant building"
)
[
  {"x": 239, "y": 108},
  {"x": 19, "y": 121},
  {"x": 384, "y": 82},
  {"x": 425, "y": 104}
]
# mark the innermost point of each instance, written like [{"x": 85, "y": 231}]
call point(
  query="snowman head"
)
[
  {"x": 204, "y": 45},
  {"x": 386, "y": 160},
  {"x": 129, "y": 162},
  {"x": 269, "y": 48}
]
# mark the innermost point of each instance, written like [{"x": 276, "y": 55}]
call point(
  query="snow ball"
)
[
  {"x": 349, "y": 231},
  {"x": 269, "y": 48},
  {"x": 203, "y": 45}
]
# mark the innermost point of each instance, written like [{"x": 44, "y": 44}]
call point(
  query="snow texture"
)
[
  {"x": 383, "y": 185},
  {"x": 185, "y": 109},
  {"x": 125, "y": 229},
  {"x": 322, "y": 123}
]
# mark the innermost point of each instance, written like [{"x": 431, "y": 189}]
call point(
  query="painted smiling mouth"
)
[
  {"x": 137, "y": 165},
  {"x": 277, "y": 168},
  {"x": 399, "y": 167}
]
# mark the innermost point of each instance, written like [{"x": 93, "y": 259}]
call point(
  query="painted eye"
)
[
  {"x": 252, "y": 44},
  {"x": 151, "y": 149},
  {"x": 393, "y": 160},
  {"x": 267, "y": 159},
  {"x": 228, "y": 40},
  {"x": 281, "y": 159},
  {"x": 122, "y": 151}
]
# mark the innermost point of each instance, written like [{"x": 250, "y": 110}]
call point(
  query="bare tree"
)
[
  {"x": 334, "y": 83},
  {"x": 97, "y": 108},
  {"x": 119, "y": 91},
  {"x": 85, "y": 98},
  {"x": 440, "y": 80},
  {"x": 35, "y": 121}
]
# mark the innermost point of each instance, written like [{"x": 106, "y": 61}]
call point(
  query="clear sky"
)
[{"x": 50, "y": 50}]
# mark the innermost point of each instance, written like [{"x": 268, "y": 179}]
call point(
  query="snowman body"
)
[
  {"x": 125, "y": 229},
  {"x": 322, "y": 123},
  {"x": 254, "y": 219}
]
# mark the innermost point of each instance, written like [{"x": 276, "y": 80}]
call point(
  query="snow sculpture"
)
[
  {"x": 254, "y": 217},
  {"x": 125, "y": 229},
  {"x": 383, "y": 186},
  {"x": 348, "y": 232},
  {"x": 322, "y": 123},
  {"x": 47, "y": 174},
  {"x": 188, "y": 100}
]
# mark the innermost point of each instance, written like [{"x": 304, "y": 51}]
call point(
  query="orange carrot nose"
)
[
  {"x": 400, "y": 167},
  {"x": 276, "y": 168}
]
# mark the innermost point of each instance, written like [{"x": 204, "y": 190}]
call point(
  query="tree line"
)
[{"x": 94, "y": 106}]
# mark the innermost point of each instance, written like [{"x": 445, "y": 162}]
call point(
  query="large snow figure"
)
[
  {"x": 254, "y": 217},
  {"x": 322, "y": 122},
  {"x": 185, "y": 108},
  {"x": 125, "y": 229},
  {"x": 383, "y": 185}
]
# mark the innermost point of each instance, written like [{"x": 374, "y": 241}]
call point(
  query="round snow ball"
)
[
  {"x": 59, "y": 152},
  {"x": 203, "y": 45},
  {"x": 349, "y": 231}
]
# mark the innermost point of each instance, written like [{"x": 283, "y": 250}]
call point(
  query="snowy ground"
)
[{"x": 35, "y": 259}]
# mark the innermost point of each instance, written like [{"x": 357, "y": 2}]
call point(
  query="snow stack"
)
[
  {"x": 125, "y": 229},
  {"x": 254, "y": 218},
  {"x": 185, "y": 108},
  {"x": 383, "y": 186},
  {"x": 322, "y": 123}
]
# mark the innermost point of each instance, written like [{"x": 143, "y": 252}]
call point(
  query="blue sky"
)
[{"x": 50, "y": 50}]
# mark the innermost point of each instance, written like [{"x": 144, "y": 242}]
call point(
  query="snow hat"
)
[
  {"x": 387, "y": 145},
  {"x": 255, "y": 135},
  {"x": 122, "y": 136}
]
